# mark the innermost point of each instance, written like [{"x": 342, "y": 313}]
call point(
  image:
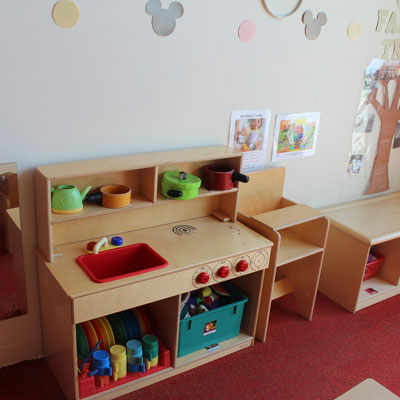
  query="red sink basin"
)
[{"x": 121, "y": 262}]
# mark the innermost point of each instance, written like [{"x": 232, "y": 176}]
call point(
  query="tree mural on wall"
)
[{"x": 389, "y": 114}]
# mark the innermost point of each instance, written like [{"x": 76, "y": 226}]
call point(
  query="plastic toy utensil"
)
[{"x": 90, "y": 355}]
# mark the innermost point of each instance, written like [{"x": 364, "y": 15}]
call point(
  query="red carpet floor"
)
[{"x": 301, "y": 360}]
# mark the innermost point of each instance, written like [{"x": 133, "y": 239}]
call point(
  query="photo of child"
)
[
  {"x": 355, "y": 164},
  {"x": 249, "y": 133}
]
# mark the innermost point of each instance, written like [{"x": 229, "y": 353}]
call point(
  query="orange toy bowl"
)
[{"x": 115, "y": 196}]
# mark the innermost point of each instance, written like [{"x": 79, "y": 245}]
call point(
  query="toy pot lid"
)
[{"x": 181, "y": 180}]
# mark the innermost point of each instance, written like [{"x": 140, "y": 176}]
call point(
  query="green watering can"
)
[{"x": 67, "y": 199}]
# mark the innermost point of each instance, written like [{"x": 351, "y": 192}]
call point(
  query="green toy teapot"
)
[{"x": 67, "y": 199}]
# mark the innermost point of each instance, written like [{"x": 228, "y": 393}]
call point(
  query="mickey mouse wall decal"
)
[
  {"x": 164, "y": 20},
  {"x": 313, "y": 25}
]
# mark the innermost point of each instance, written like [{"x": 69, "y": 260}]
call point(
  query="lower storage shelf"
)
[
  {"x": 91, "y": 385},
  {"x": 202, "y": 356},
  {"x": 374, "y": 290}
]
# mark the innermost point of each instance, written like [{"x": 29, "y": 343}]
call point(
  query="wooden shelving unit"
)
[
  {"x": 356, "y": 228},
  {"x": 69, "y": 296},
  {"x": 299, "y": 235}
]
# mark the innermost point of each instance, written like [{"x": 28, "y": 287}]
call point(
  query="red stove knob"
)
[
  {"x": 223, "y": 272},
  {"x": 203, "y": 278},
  {"x": 242, "y": 266}
]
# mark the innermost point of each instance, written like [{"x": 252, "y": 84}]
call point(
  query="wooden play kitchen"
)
[
  {"x": 200, "y": 240},
  {"x": 358, "y": 229}
]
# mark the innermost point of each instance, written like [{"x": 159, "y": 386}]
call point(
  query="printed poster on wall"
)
[
  {"x": 295, "y": 135},
  {"x": 248, "y": 133}
]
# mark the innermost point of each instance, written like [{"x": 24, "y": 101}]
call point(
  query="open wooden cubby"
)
[
  {"x": 299, "y": 235},
  {"x": 356, "y": 228}
]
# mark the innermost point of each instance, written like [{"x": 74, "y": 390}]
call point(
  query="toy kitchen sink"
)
[
  {"x": 120, "y": 261},
  {"x": 200, "y": 240}
]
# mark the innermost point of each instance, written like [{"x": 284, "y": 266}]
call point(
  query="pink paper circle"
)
[{"x": 247, "y": 31}]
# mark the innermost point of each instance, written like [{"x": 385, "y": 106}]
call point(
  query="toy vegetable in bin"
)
[{"x": 214, "y": 325}]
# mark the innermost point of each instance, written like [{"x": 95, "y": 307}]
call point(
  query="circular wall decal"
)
[
  {"x": 247, "y": 31},
  {"x": 65, "y": 13},
  {"x": 353, "y": 31},
  {"x": 277, "y": 15}
]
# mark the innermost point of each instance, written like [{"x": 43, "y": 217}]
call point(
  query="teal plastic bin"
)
[{"x": 213, "y": 326}]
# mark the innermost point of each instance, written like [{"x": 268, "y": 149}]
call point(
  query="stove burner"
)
[{"x": 184, "y": 229}]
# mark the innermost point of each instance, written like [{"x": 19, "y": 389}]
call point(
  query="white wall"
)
[{"x": 111, "y": 86}]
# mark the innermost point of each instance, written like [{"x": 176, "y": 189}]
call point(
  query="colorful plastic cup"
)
[
  {"x": 101, "y": 363},
  {"x": 118, "y": 361},
  {"x": 101, "y": 368},
  {"x": 150, "y": 350},
  {"x": 134, "y": 349},
  {"x": 134, "y": 355}
]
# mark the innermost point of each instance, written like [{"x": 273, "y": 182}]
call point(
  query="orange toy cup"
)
[{"x": 115, "y": 196}]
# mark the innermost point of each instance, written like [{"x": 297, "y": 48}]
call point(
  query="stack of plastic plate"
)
[
  {"x": 129, "y": 324},
  {"x": 81, "y": 343},
  {"x": 113, "y": 329}
]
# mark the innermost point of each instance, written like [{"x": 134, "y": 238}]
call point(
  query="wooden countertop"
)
[
  {"x": 213, "y": 240},
  {"x": 374, "y": 220},
  {"x": 135, "y": 161},
  {"x": 288, "y": 216}
]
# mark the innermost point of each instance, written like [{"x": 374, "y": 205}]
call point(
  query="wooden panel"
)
[
  {"x": 373, "y": 220},
  {"x": 263, "y": 192},
  {"x": 303, "y": 276},
  {"x": 281, "y": 288},
  {"x": 164, "y": 316},
  {"x": 368, "y": 390},
  {"x": 342, "y": 269},
  {"x": 293, "y": 247},
  {"x": 129, "y": 178},
  {"x": 9, "y": 186},
  {"x": 250, "y": 285},
  {"x": 58, "y": 332},
  {"x": 137, "y": 161},
  {"x": 121, "y": 298},
  {"x": 228, "y": 205},
  {"x": 17, "y": 257},
  {"x": 289, "y": 216},
  {"x": 314, "y": 231},
  {"x": 364, "y": 301},
  {"x": 390, "y": 268},
  {"x": 148, "y": 184},
  {"x": 132, "y": 220},
  {"x": 203, "y": 356},
  {"x": 44, "y": 229}
]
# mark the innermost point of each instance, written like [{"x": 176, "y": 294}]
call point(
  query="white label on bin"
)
[{"x": 210, "y": 327}]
